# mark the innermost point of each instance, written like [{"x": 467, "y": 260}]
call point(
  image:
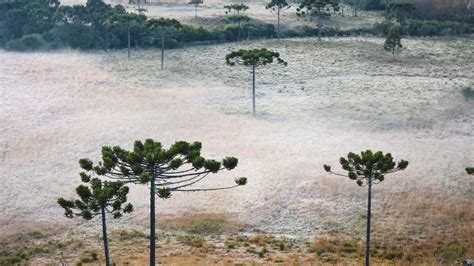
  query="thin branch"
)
[{"x": 205, "y": 189}]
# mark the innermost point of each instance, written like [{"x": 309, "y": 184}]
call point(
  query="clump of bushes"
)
[{"x": 424, "y": 28}]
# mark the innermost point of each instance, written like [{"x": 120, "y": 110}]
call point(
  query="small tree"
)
[
  {"x": 367, "y": 169},
  {"x": 278, "y": 6},
  {"x": 129, "y": 20},
  {"x": 470, "y": 170},
  {"x": 318, "y": 10},
  {"x": 98, "y": 198},
  {"x": 253, "y": 58},
  {"x": 393, "y": 40},
  {"x": 167, "y": 170},
  {"x": 196, "y": 3},
  {"x": 163, "y": 27}
]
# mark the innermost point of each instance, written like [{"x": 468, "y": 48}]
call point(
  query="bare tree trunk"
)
[
  {"x": 128, "y": 34},
  {"x": 319, "y": 29},
  {"x": 240, "y": 29},
  {"x": 369, "y": 213},
  {"x": 152, "y": 221},
  {"x": 253, "y": 89},
  {"x": 104, "y": 236},
  {"x": 278, "y": 24},
  {"x": 195, "y": 10},
  {"x": 355, "y": 7},
  {"x": 162, "y": 50}
]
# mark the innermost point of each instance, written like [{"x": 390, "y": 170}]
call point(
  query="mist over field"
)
[{"x": 345, "y": 94}]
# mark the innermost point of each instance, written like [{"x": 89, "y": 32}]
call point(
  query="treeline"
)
[
  {"x": 453, "y": 10},
  {"x": 45, "y": 24}
]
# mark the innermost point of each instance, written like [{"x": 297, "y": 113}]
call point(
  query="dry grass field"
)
[{"x": 345, "y": 94}]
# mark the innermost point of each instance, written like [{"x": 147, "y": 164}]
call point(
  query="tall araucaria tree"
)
[
  {"x": 196, "y": 3},
  {"x": 368, "y": 169},
  {"x": 393, "y": 41},
  {"x": 253, "y": 58},
  {"x": 318, "y": 10},
  {"x": 163, "y": 27},
  {"x": 128, "y": 20},
  {"x": 99, "y": 198},
  {"x": 278, "y": 6},
  {"x": 174, "y": 169}
]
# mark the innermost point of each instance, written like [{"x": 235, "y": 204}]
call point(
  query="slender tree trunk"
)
[
  {"x": 152, "y": 221},
  {"x": 253, "y": 89},
  {"x": 128, "y": 34},
  {"x": 162, "y": 49},
  {"x": 195, "y": 10},
  {"x": 104, "y": 236},
  {"x": 278, "y": 24},
  {"x": 240, "y": 29},
  {"x": 319, "y": 29},
  {"x": 354, "y": 5},
  {"x": 393, "y": 52},
  {"x": 369, "y": 213}
]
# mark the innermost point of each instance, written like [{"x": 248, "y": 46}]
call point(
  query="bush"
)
[
  {"x": 14, "y": 45},
  {"x": 33, "y": 42},
  {"x": 74, "y": 36}
]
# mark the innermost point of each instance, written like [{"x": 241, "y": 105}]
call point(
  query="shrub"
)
[
  {"x": 33, "y": 41},
  {"x": 14, "y": 45}
]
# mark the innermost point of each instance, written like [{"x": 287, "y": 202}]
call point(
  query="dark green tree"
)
[
  {"x": 368, "y": 169},
  {"x": 278, "y": 6},
  {"x": 470, "y": 170},
  {"x": 99, "y": 198},
  {"x": 393, "y": 41},
  {"x": 196, "y": 3},
  {"x": 318, "y": 10},
  {"x": 163, "y": 27},
  {"x": 129, "y": 21},
  {"x": 170, "y": 170},
  {"x": 253, "y": 58}
]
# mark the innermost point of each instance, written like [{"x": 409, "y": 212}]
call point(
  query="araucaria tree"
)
[
  {"x": 253, "y": 58},
  {"x": 278, "y": 6},
  {"x": 393, "y": 41},
  {"x": 174, "y": 169},
  {"x": 196, "y": 3},
  {"x": 368, "y": 169},
  {"x": 163, "y": 27},
  {"x": 318, "y": 10},
  {"x": 99, "y": 198}
]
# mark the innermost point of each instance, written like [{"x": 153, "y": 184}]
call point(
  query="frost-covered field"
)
[{"x": 343, "y": 95}]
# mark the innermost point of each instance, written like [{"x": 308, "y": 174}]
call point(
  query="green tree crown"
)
[
  {"x": 368, "y": 165},
  {"x": 112, "y": 196},
  {"x": 236, "y": 7},
  {"x": 255, "y": 57},
  {"x": 317, "y": 8},
  {"x": 179, "y": 166},
  {"x": 163, "y": 24},
  {"x": 277, "y": 4}
]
